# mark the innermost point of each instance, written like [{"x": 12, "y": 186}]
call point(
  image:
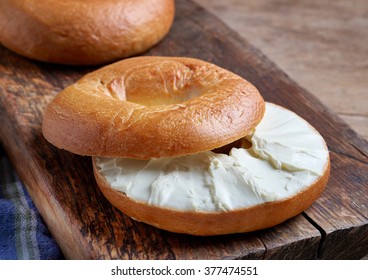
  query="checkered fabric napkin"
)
[{"x": 23, "y": 234}]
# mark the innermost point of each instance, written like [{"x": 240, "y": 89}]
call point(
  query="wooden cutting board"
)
[{"x": 86, "y": 226}]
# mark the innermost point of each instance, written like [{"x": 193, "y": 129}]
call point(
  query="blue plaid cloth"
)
[{"x": 23, "y": 234}]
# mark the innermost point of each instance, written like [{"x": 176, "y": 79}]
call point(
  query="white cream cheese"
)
[{"x": 286, "y": 155}]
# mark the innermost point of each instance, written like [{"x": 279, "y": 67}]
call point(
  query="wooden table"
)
[
  {"x": 322, "y": 45},
  {"x": 86, "y": 226}
]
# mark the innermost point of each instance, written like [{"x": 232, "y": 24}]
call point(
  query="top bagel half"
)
[
  {"x": 153, "y": 107},
  {"x": 83, "y": 32}
]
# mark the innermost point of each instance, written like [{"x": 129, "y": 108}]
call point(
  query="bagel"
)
[
  {"x": 83, "y": 32},
  {"x": 279, "y": 176},
  {"x": 189, "y": 147},
  {"x": 153, "y": 107}
]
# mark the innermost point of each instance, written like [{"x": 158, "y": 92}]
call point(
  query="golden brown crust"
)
[
  {"x": 214, "y": 223},
  {"x": 152, "y": 107},
  {"x": 85, "y": 32}
]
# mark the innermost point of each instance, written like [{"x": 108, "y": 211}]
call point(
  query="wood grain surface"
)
[
  {"x": 86, "y": 226},
  {"x": 322, "y": 45}
]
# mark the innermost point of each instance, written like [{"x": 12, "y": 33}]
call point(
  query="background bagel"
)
[
  {"x": 83, "y": 32},
  {"x": 152, "y": 107}
]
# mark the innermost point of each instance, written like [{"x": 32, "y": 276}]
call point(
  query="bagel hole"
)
[
  {"x": 154, "y": 86},
  {"x": 158, "y": 97},
  {"x": 240, "y": 143}
]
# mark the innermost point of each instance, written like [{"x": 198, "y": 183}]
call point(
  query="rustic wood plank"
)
[
  {"x": 86, "y": 226},
  {"x": 343, "y": 211}
]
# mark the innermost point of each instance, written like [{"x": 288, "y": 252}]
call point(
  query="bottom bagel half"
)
[{"x": 281, "y": 174}]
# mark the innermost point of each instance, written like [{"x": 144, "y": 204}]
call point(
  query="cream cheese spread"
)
[{"x": 287, "y": 155}]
